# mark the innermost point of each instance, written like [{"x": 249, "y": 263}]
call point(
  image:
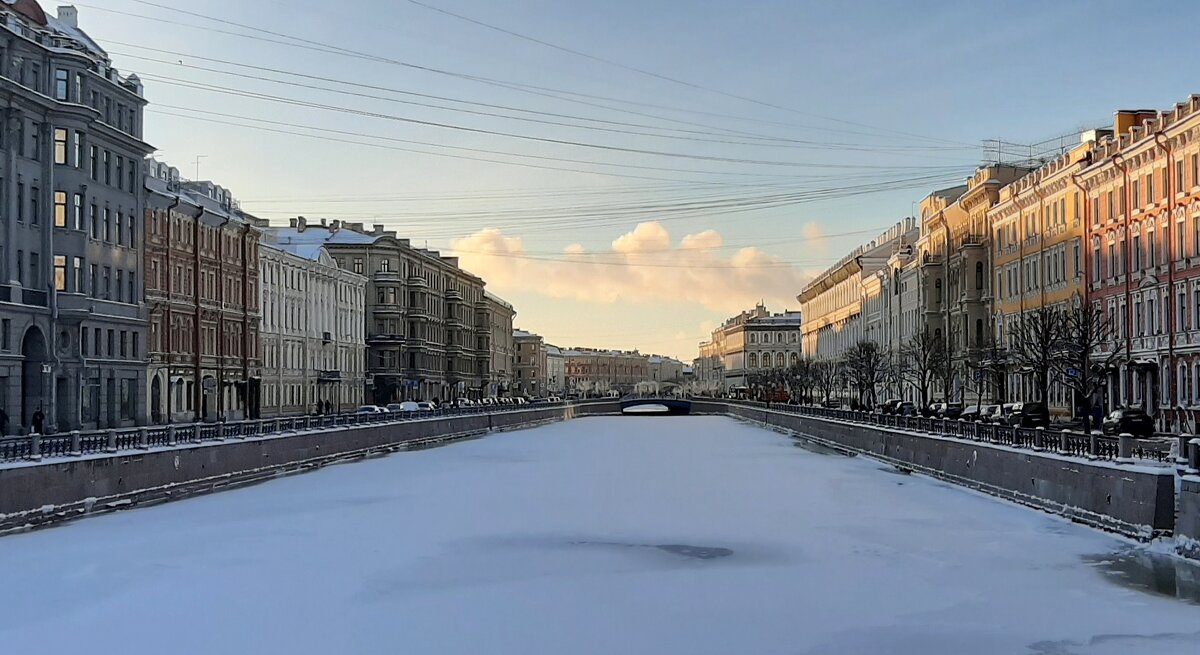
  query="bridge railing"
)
[
  {"x": 1067, "y": 442},
  {"x": 36, "y": 447}
]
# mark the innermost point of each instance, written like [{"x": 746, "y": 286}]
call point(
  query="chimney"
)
[
  {"x": 376, "y": 229},
  {"x": 301, "y": 223},
  {"x": 291, "y": 222},
  {"x": 334, "y": 225},
  {"x": 68, "y": 15}
]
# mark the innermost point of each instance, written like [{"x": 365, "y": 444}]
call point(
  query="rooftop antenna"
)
[{"x": 198, "y": 158}]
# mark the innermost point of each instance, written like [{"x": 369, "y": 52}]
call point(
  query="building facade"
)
[
  {"x": 498, "y": 319},
  {"x": 531, "y": 379},
  {"x": 313, "y": 319},
  {"x": 1142, "y": 214},
  {"x": 427, "y": 328},
  {"x": 556, "y": 370},
  {"x": 1037, "y": 259},
  {"x": 73, "y": 322},
  {"x": 201, "y": 274},
  {"x": 751, "y": 342},
  {"x": 592, "y": 371}
]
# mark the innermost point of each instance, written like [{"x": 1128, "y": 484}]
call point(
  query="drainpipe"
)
[
  {"x": 198, "y": 391},
  {"x": 221, "y": 318},
  {"x": 1160, "y": 140},
  {"x": 251, "y": 410},
  {"x": 170, "y": 349},
  {"x": 1119, "y": 162}
]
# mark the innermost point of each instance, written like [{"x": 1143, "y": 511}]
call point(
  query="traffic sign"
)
[{"x": 1073, "y": 373}]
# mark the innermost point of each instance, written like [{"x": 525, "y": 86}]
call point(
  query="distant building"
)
[
  {"x": 753, "y": 341},
  {"x": 498, "y": 319},
  {"x": 595, "y": 371},
  {"x": 556, "y": 370},
  {"x": 531, "y": 379}
]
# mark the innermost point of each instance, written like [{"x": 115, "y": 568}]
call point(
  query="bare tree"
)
[
  {"x": 825, "y": 377},
  {"x": 921, "y": 360},
  {"x": 1083, "y": 359},
  {"x": 1036, "y": 346},
  {"x": 865, "y": 365},
  {"x": 801, "y": 378}
]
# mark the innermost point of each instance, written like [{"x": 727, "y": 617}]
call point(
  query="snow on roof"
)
[{"x": 316, "y": 235}]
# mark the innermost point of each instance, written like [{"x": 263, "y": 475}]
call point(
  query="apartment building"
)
[
  {"x": 531, "y": 376},
  {"x": 73, "y": 323}
]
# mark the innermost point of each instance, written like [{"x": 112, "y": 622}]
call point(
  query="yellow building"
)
[{"x": 1037, "y": 231}]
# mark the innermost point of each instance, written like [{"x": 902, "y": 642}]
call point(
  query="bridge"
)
[{"x": 642, "y": 405}]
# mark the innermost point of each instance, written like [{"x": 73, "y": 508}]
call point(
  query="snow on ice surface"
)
[{"x": 603, "y": 535}]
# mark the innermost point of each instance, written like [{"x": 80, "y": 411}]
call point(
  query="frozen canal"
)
[{"x": 617, "y": 535}]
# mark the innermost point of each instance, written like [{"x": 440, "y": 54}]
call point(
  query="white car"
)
[
  {"x": 371, "y": 409},
  {"x": 407, "y": 406},
  {"x": 425, "y": 406}
]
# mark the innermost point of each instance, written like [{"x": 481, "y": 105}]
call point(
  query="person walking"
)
[{"x": 38, "y": 420}]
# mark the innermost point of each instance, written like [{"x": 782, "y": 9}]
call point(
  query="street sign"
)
[
  {"x": 1073, "y": 373},
  {"x": 47, "y": 369},
  {"x": 978, "y": 375}
]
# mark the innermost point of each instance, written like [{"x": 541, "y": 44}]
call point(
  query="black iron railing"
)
[
  {"x": 1066, "y": 442},
  {"x": 77, "y": 443}
]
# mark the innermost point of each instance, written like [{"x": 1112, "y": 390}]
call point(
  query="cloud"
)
[{"x": 643, "y": 265}]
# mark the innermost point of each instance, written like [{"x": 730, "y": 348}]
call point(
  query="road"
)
[{"x": 695, "y": 535}]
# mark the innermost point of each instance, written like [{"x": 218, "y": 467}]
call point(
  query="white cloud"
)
[{"x": 642, "y": 266}]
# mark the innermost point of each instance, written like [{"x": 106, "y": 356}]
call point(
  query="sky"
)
[{"x": 628, "y": 174}]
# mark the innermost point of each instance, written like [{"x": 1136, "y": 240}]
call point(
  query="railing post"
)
[
  {"x": 1125, "y": 448},
  {"x": 143, "y": 442},
  {"x": 1193, "y": 457},
  {"x": 220, "y": 431},
  {"x": 1093, "y": 445},
  {"x": 111, "y": 446},
  {"x": 1181, "y": 457},
  {"x": 196, "y": 435},
  {"x": 76, "y": 444},
  {"x": 35, "y": 447},
  {"x": 171, "y": 439},
  {"x": 1063, "y": 441},
  {"x": 1039, "y": 438}
]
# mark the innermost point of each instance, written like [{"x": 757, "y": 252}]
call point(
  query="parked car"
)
[
  {"x": 1028, "y": 415},
  {"x": 371, "y": 409},
  {"x": 991, "y": 413},
  {"x": 972, "y": 413},
  {"x": 951, "y": 411},
  {"x": 554, "y": 399},
  {"x": 906, "y": 409},
  {"x": 932, "y": 410},
  {"x": 889, "y": 406},
  {"x": 464, "y": 402},
  {"x": 1129, "y": 420},
  {"x": 425, "y": 406}
]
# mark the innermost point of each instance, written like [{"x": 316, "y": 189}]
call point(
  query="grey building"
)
[{"x": 73, "y": 321}]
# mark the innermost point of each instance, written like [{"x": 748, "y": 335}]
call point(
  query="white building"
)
[
  {"x": 313, "y": 327},
  {"x": 556, "y": 370}
]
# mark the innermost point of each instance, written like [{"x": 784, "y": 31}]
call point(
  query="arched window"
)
[
  {"x": 780, "y": 362},
  {"x": 979, "y": 275},
  {"x": 896, "y": 282},
  {"x": 753, "y": 360},
  {"x": 794, "y": 337},
  {"x": 779, "y": 337},
  {"x": 796, "y": 360},
  {"x": 753, "y": 338}
]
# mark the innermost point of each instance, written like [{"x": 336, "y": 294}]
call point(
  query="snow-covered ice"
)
[{"x": 603, "y": 535}]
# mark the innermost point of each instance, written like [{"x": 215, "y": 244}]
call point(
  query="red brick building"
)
[{"x": 202, "y": 288}]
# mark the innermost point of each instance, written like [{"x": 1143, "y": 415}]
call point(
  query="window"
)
[
  {"x": 35, "y": 210},
  {"x": 120, "y": 233},
  {"x": 94, "y": 287},
  {"x": 1137, "y": 195},
  {"x": 1137, "y": 249},
  {"x": 20, "y": 202},
  {"x": 131, "y": 226},
  {"x": 1151, "y": 249},
  {"x": 107, "y": 283},
  {"x": 78, "y": 277},
  {"x": 60, "y": 209},
  {"x": 124, "y": 343},
  {"x": 1078, "y": 261},
  {"x": 77, "y": 162},
  {"x": 130, "y": 280},
  {"x": 358, "y": 265},
  {"x": 94, "y": 163},
  {"x": 107, "y": 224},
  {"x": 120, "y": 284},
  {"x": 35, "y": 134},
  {"x": 60, "y": 146},
  {"x": 107, "y": 167},
  {"x": 6, "y": 335},
  {"x": 60, "y": 273},
  {"x": 111, "y": 340},
  {"x": 21, "y": 267},
  {"x": 95, "y": 221},
  {"x": 61, "y": 84},
  {"x": 385, "y": 265},
  {"x": 35, "y": 271},
  {"x": 979, "y": 275}
]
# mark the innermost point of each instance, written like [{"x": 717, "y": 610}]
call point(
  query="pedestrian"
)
[{"x": 38, "y": 419}]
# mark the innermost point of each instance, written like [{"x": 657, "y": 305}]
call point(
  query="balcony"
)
[
  {"x": 5, "y": 293},
  {"x": 387, "y": 276},
  {"x": 35, "y": 298},
  {"x": 416, "y": 281},
  {"x": 329, "y": 376},
  {"x": 454, "y": 296},
  {"x": 382, "y": 339}
]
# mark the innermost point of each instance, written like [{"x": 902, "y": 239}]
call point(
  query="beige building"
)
[
  {"x": 498, "y": 319},
  {"x": 556, "y": 371},
  {"x": 531, "y": 379},
  {"x": 755, "y": 340},
  {"x": 314, "y": 352},
  {"x": 426, "y": 326}
]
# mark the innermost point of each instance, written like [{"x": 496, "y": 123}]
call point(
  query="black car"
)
[
  {"x": 1129, "y": 420},
  {"x": 951, "y": 411},
  {"x": 971, "y": 413},
  {"x": 890, "y": 406},
  {"x": 1029, "y": 415},
  {"x": 906, "y": 409}
]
